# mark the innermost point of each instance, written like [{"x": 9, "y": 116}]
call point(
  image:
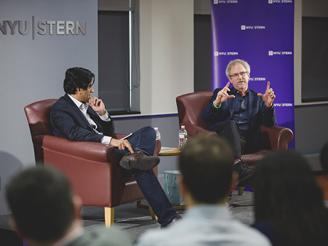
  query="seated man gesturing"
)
[
  {"x": 79, "y": 117},
  {"x": 236, "y": 114}
]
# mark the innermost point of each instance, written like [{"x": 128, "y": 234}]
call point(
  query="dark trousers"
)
[
  {"x": 239, "y": 141},
  {"x": 144, "y": 140}
]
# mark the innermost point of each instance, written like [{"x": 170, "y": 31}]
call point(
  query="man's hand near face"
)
[{"x": 97, "y": 105}]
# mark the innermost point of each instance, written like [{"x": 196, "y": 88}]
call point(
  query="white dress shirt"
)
[{"x": 84, "y": 108}]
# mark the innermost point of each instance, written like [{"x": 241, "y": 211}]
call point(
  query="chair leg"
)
[{"x": 109, "y": 216}]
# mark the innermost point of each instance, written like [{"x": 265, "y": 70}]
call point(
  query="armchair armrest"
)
[
  {"x": 194, "y": 130},
  {"x": 279, "y": 137},
  {"x": 87, "y": 150}
]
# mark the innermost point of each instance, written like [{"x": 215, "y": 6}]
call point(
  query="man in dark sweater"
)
[{"x": 237, "y": 113}]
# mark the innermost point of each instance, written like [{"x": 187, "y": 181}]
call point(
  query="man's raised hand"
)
[
  {"x": 268, "y": 96},
  {"x": 223, "y": 95}
]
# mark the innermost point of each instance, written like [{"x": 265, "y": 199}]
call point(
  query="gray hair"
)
[{"x": 236, "y": 61}]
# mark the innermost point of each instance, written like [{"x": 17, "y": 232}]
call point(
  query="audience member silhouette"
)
[
  {"x": 205, "y": 164},
  {"x": 324, "y": 157},
  {"x": 289, "y": 207},
  {"x": 322, "y": 175},
  {"x": 46, "y": 212},
  {"x": 9, "y": 165}
]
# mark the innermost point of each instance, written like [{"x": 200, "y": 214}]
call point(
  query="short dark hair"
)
[
  {"x": 77, "y": 78},
  {"x": 289, "y": 199},
  {"x": 206, "y": 167},
  {"x": 40, "y": 199},
  {"x": 324, "y": 157}
]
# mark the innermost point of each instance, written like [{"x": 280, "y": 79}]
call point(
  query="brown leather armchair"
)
[
  {"x": 190, "y": 107},
  {"x": 91, "y": 167}
]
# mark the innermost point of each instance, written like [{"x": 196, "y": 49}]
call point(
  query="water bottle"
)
[
  {"x": 158, "y": 134},
  {"x": 183, "y": 136},
  {"x": 185, "y": 133}
]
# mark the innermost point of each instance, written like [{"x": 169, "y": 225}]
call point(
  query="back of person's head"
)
[
  {"x": 288, "y": 197},
  {"x": 77, "y": 78},
  {"x": 40, "y": 199},
  {"x": 206, "y": 167},
  {"x": 324, "y": 157}
]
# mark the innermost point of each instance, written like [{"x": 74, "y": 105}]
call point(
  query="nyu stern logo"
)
[
  {"x": 279, "y": 53},
  {"x": 279, "y": 1},
  {"x": 226, "y": 53},
  {"x": 225, "y": 1},
  {"x": 255, "y": 27},
  {"x": 13, "y": 27},
  {"x": 257, "y": 79},
  {"x": 42, "y": 27}
]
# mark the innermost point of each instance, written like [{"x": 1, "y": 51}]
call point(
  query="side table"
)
[
  {"x": 169, "y": 151},
  {"x": 170, "y": 179}
]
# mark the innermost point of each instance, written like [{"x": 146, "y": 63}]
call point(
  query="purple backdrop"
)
[{"x": 262, "y": 33}]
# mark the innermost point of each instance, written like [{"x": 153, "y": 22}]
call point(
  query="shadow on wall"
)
[{"x": 9, "y": 165}]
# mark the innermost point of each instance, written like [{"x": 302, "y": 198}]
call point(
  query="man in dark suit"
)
[
  {"x": 80, "y": 117},
  {"x": 236, "y": 114}
]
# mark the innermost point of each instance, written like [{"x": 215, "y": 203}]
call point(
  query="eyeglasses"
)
[{"x": 236, "y": 75}]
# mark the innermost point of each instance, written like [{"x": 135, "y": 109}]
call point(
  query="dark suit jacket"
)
[
  {"x": 258, "y": 113},
  {"x": 67, "y": 121}
]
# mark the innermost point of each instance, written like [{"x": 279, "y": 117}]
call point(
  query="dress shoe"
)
[
  {"x": 245, "y": 173},
  {"x": 139, "y": 160},
  {"x": 175, "y": 219}
]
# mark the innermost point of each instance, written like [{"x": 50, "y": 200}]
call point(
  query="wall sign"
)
[{"x": 36, "y": 27}]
